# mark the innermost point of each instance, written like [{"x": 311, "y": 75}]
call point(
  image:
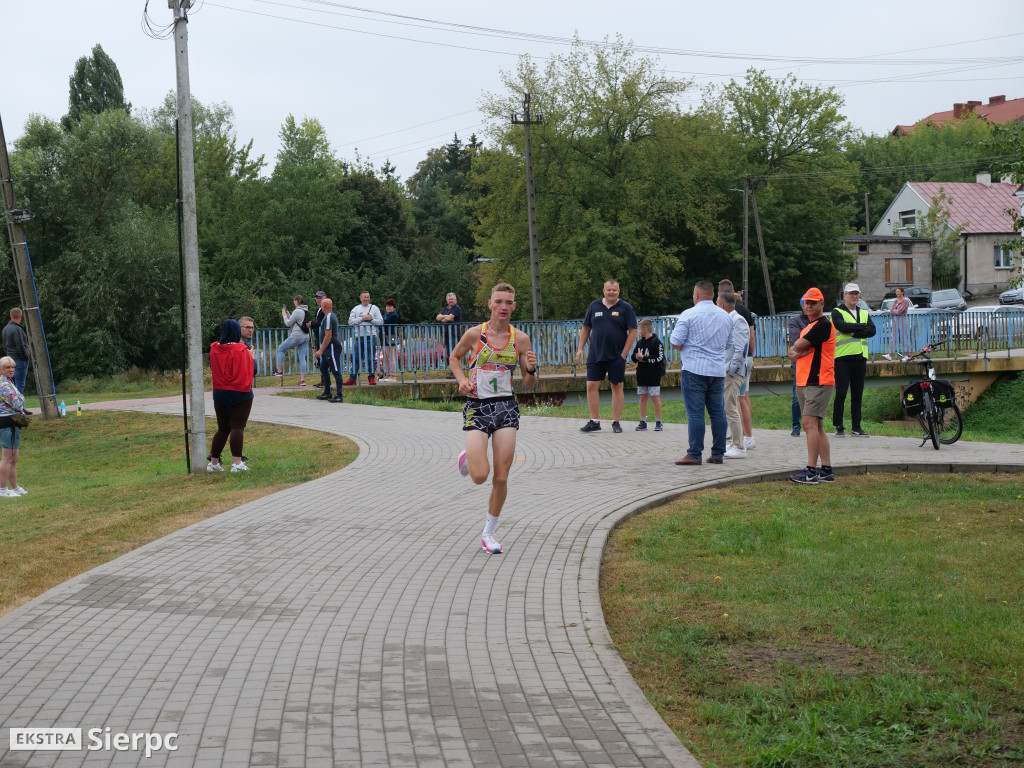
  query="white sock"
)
[
  {"x": 643, "y": 419},
  {"x": 491, "y": 525}
]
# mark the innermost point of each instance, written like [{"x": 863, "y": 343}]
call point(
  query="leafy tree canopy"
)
[{"x": 94, "y": 87}]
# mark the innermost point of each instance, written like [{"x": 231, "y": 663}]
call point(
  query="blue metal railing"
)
[{"x": 401, "y": 351}]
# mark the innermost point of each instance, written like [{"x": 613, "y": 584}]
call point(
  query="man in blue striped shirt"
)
[{"x": 702, "y": 333}]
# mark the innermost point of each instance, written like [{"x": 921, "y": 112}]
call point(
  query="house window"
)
[
  {"x": 899, "y": 271},
  {"x": 1002, "y": 257},
  {"x": 862, "y": 248},
  {"x": 908, "y": 219},
  {"x": 906, "y": 247}
]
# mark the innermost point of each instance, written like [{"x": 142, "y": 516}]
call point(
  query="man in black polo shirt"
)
[{"x": 610, "y": 326}]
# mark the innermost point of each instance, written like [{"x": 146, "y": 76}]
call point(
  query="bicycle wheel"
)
[
  {"x": 949, "y": 424},
  {"x": 929, "y": 416}
]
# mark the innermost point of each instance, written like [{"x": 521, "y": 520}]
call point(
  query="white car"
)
[
  {"x": 1002, "y": 322},
  {"x": 886, "y": 305}
]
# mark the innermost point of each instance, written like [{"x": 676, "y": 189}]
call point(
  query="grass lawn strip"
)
[
  {"x": 104, "y": 483},
  {"x": 880, "y": 622}
]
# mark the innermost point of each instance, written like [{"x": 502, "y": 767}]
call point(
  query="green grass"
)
[
  {"x": 876, "y": 622},
  {"x": 104, "y": 483}
]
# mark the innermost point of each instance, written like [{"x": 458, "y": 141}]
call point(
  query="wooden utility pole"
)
[
  {"x": 193, "y": 309},
  {"x": 867, "y": 215},
  {"x": 531, "y": 205},
  {"x": 746, "y": 234},
  {"x": 760, "y": 245},
  {"x": 31, "y": 315}
]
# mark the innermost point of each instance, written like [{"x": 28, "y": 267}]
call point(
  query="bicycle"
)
[{"x": 933, "y": 402}]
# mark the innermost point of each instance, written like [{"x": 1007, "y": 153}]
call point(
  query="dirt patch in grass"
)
[{"x": 747, "y": 663}]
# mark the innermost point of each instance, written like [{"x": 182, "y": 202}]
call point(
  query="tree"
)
[
  {"x": 595, "y": 157},
  {"x": 1007, "y": 144},
  {"x": 94, "y": 87},
  {"x": 441, "y": 191}
]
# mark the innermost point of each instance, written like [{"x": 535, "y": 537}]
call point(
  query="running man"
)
[{"x": 491, "y": 410}]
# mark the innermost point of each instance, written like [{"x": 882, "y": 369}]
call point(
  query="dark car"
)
[
  {"x": 1012, "y": 296},
  {"x": 949, "y": 298},
  {"x": 918, "y": 294}
]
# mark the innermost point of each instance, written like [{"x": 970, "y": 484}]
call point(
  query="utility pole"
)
[
  {"x": 193, "y": 311},
  {"x": 531, "y": 205},
  {"x": 867, "y": 215},
  {"x": 760, "y": 245},
  {"x": 746, "y": 234},
  {"x": 31, "y": 313}
]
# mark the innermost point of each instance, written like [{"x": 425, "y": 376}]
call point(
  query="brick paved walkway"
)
[{"x": 354, "y": 620}]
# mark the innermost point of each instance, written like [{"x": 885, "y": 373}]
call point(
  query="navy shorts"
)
[
  {"x": 490, "y": 415},
  {"x": 615, "y": 370}
]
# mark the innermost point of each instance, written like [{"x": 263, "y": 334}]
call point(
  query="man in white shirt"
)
[
  {"x": 364, "y": 316},
  {"x": 702, "y": 333}
]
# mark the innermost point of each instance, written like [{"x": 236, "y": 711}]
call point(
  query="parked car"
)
[
  {"x": 940, "y": 323},
  {"x": 1012, "y": 296},
  {"x": 918, "y": 294},
  {"x": 886, "y": 305},
  {"x": 948, "y": 298}
]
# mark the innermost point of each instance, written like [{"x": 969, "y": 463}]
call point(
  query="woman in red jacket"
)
[{"x": 233, "y": 368}]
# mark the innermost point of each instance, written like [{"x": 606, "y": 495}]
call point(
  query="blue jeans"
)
[
  {"x": 20, "y": 373},
  {"x": 364, "y": 351},
  {"x": 290, "y": 343},
  {"x": 700, "y": 392}
]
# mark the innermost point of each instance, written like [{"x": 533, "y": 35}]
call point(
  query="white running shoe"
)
[
  {"x": 490, "y": 544},
  {"x": 211, "y": 467},
  {"x": 748, "y": 442},
  {"x": 735, "y": 453},
  {"x": 19, "y": 491},
  {"x": 239, "y": 467},
  {"x": 463, "y": 464},
  {"x": 4, "y": 492}
]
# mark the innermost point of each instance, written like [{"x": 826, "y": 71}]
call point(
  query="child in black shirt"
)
[{"x": 649, "y": 355}]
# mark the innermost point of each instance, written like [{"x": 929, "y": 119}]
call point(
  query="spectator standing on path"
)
[
  {"x": 702, "y": 333},
  {"x": 610, "y": 327},
  {"x": 649, "y": 355},
  {"x": 16, "y": 346},
  {"x": 796, "y": 324},
  {"x": 746, "y": 420},
  {"x": 853, "y": 328},
  {"x": 364, "y": 316},
  {"x": 298, "y": 337},
  {"x": 813, "y": 353},
  {"x": 391, "y": 339},
  {"x": 451, "y": 315},
  {"x": 491, "y": 410},
  {"x": 735, "y": 372},
  {"x": 898, "y": 311},
  {"x": 314, "y": 331},
  {"x": 12, "y": 400},
  {"x": 231, "y": 365},
  {"x": 328, "y": 354}
]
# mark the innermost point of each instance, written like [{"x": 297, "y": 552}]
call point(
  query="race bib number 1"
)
[{"x": 493, "y": 383}]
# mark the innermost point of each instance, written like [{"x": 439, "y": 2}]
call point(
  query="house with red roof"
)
[
  {"x": 985, "y": 211},
  {"x": 997, "y": 111}
]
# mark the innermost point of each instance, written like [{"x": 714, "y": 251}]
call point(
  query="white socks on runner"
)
[{"x": 491, "y": 525}]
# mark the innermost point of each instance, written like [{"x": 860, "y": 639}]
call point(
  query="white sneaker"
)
[
  {"x": 7, "y": 493},
  {"x": 239, "y": 467},
  {"x": 19, "y": 491},
  {"x": 748, "y": 442},
  {"x": 735, "y": 453},
  {"x": 463, "y": 464},
  {"x": 211, "y": 467},
  {"x": 490, "y": 544}
]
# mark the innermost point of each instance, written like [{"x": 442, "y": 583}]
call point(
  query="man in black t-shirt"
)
[{"x": 610, "y": 327}]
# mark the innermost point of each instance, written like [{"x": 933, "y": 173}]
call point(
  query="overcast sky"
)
[{"x": 400, "y": 78}]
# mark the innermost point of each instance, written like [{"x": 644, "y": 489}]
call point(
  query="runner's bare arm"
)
[
  {"x": 464, "y": 347},
  {"x": 528, "y": 362}
]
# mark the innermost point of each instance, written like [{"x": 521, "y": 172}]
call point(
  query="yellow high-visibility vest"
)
[{"x": 846, "y": 344}]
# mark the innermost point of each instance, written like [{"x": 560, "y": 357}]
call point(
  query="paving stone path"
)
[{"x": 355, "y": 620}]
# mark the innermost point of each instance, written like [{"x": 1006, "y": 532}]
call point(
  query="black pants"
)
[
  {"x": 231, "y": 421},
  {"x": 851, "y": 371}
]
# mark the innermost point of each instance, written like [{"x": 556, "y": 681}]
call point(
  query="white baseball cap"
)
[{"x": 851, "y": 288}]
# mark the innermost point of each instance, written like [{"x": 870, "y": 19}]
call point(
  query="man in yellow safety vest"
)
[{"x": 853, "y": 329}]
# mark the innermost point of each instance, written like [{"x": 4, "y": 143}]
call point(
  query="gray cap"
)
[{"x": 321, "y": 294}]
